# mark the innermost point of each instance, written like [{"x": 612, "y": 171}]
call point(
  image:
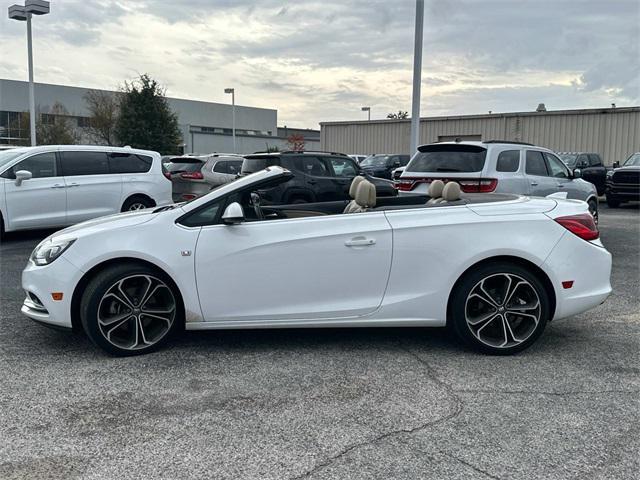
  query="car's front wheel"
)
[
  {"x": 499, "y": 308},
  {"x": 130, "y": 309}
]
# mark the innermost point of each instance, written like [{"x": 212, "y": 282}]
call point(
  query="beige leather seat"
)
[
  {"x": 450, "y": 193},
  {"x": 365, "y": 197},
  {"x": 435, "y": 191},
  {"x": 352, "y": 193}
]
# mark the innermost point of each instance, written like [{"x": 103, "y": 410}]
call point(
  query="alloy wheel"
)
[
  {"x": 136, "y": 312},
  {"x": 502, "y": 310},
  {"x": 137, "y": 206}
]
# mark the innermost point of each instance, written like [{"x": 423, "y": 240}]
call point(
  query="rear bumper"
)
[{"x": 587, "y": 265}]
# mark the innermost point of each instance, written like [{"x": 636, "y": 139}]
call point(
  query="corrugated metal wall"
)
[{"x": 613, "y": 133}]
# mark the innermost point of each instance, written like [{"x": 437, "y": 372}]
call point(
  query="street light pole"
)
[
  {"x": 24, "y": 13},
  {"x": 417, "y": 77},
  {"x": 32, "y": 95},
  {"x": 368, "y": 110},
  {"x": 232, "y": 91}
]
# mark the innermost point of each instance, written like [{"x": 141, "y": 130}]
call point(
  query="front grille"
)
[{"x": 626, "y": 177}]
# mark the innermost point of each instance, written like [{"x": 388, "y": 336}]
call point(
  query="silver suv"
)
[{"x": 495, "y": 166}]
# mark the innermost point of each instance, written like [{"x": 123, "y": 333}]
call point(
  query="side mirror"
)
[
  {"x": 616, "y": 164},
  {"x": 397, "y": 164},
  {"x": 577, "y": 173},
  {"x": 22, "y": 175},
  {"x": 233, "y": 214}
]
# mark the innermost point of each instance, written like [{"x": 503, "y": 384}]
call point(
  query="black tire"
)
[
  {"x": 593, "y": 209},
  {"x": 491, "y": 273},
  {"x": 137, "y": 203},
  {"x": 94, "y": 303},
  {"x": 612, "y": 202},
  {"x": 1, "y": 228}
]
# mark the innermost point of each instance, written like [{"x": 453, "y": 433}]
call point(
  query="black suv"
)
[
  {"x": 317, "y": 176},
  {"x": 623, "y": 182},
  {"x": 382, "y": 166},
  {"x": 591, "y": 167}
]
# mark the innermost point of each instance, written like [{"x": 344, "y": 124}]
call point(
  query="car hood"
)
[
  {"x": 630, "y": 168},
  {"x": 110, "y": 222}
]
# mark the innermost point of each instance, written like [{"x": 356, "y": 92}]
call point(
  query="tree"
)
[
  {"x": 103, "y": 107},
  {"x": 146, "y": 120},
  {"x": 401, "y": 115},
  {"x": 55, "y": 128},
  {"x": 295, "y": 142}
]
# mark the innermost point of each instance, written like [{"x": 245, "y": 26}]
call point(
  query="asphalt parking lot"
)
[{"x": 293, "y": 404}]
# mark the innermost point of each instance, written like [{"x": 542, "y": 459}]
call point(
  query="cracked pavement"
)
[{"x": 321, "y": 404}]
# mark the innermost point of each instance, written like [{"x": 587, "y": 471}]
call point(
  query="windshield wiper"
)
[{"x": 165, "y": 208}]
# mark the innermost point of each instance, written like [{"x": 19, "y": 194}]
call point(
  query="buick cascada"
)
[{"x": 495, "y": 268}]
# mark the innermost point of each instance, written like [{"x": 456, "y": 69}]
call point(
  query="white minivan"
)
[{"x": 55, "y": 186}]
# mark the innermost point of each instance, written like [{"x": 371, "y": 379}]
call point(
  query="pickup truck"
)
[
  {"x": 623, "y": 182},
  {"x": 590, "y": 165}
]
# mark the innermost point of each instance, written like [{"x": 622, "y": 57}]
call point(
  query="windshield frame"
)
[{"x": 633, "y": 160}]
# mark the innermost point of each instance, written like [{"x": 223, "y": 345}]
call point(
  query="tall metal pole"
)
[
  {"x": 233, "y": 103},
  {"x": 32, "y": 100},
  {"x": 417, "y": 77},
  {"x": 369, "y": 115}
]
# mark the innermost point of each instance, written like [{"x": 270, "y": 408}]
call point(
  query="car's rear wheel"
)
[
  {"x": 130, "y": 309},
  {"x": 499, "y": 308},
  {"x": 593, "y": 209},
  {"x": 137, "y": 203}
]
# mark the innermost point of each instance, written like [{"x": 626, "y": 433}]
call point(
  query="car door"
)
[
  {"x": 319, "y": 178},
  {"x": 39, "y": 202},
  {"x": 92, "y": 191},
  {"x": 344, "y": 170},
  {"x": 328, "y": 267},
  {"x": 540, "y": 183},
  {"x": 563, "y": 178},
  {"x": 596, "y": 172}
]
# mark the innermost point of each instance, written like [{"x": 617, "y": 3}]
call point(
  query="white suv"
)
[
  {"x": 495, "y": 166},
  {"x": 55, "y": 186}
]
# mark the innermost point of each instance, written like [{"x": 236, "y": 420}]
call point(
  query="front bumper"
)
[
  {"x": 40, "y": 282},
  {"x": 629, "y": 191}
]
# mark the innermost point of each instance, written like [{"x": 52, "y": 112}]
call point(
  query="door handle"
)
[
  {"x": 73, "y": 185},
  {"x": 534, "y": 184},
  {"x": 58, "y": 185},
  {"x": 312, "y": 182},
  {"x": 360, "y": 242}
]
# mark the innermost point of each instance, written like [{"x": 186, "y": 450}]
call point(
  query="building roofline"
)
[
  {"x": 582, "y": 111},
  {"x": 74, "y": 87}
]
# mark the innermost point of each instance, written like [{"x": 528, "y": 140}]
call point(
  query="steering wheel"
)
[{"x": 255, "y": 201}]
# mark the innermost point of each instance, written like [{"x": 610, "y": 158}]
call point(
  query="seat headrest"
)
[
  {"x": 451, "y": 192},
  {"x": 354, "y": 185},
  {"x": 366, "y": 194},
  {"x": 435, "y": 188}
]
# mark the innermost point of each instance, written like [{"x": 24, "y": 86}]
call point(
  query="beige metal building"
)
[{"x": 614, "y": 133}]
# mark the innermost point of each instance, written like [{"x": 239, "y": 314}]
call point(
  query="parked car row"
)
[{"x": 193, "y": 176}]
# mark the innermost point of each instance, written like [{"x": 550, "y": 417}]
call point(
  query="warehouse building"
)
[
  {"x": 614, "y": 133},
  {"x": 206, "y": 127}
]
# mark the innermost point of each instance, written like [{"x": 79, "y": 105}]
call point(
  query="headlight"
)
[
  {"x": 49, "y": 250},
  {"x": 610, "y": 173}
]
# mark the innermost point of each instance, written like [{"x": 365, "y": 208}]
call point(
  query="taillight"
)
[
  {"x": 485, "y": 185},
  {"x": 192, "y": 175},
  {"x": 405, "y": 185},
  {"x": 581, "y": 225}
]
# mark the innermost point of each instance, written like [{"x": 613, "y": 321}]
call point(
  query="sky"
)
[{"x": 318, "y": 61}]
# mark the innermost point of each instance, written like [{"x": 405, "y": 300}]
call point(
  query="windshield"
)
[
  {"x": 569, "y": 159},
  {"x": 376, "y": 161},
  {"x": 633, "y": 160},
  {"x": 9, "y": 155},
  {"x": 180, "y": 167},
  {"x": 448, "y": 158}
]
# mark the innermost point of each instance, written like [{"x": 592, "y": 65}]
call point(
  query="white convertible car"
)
[{"x": 495, "y": 268}]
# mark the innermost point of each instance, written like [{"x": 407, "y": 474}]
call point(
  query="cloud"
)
[{"x": 320, "y": 60}]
